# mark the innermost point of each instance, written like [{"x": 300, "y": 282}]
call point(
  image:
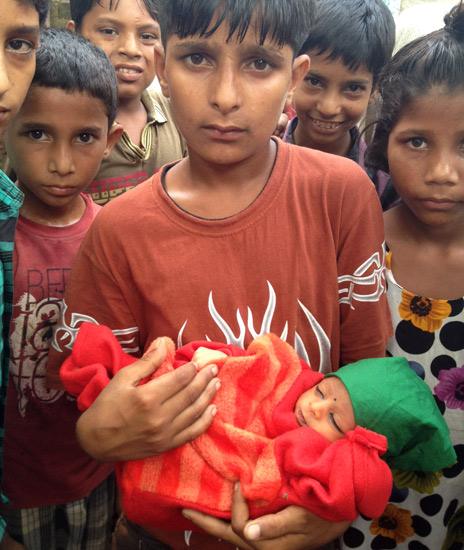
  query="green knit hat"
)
[{"x": 389, "y": 398}]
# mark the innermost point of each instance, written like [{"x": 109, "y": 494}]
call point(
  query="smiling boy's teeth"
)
[
  {"x": 127, "y": 71},
  {"x": 326, "y": 125}
]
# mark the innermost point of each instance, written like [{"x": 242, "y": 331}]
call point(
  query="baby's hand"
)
[{"x": 205, "y": 356}]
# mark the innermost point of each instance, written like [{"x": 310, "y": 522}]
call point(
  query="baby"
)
[{"x": 288, "y": 434}]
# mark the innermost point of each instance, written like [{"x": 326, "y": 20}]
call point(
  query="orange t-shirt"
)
[{"x": 305, "y": 261}]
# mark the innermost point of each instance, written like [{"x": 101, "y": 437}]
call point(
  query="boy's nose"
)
[
  {"x": 225, "y": 95},
  {"x": 129, "y": 45},
  {"x": 61, "y": 161},
  {"x": 328, "y": 104}
]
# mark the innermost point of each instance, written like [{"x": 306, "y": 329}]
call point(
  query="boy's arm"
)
[
  {"x": 365, "y": 323},
  {"x": 127, "y": 421}
]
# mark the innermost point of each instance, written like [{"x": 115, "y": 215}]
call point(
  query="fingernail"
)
[
  {"x": 218, "y": 384},
  {"x": 236, "y": 486},
  {"x": 214, "y": 370},
  {"x": 253, "y": 531},
  {"x": 186, "y": 514},
  {"x": 213, "y": 410}
]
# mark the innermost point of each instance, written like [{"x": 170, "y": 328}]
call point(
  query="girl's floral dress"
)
[{"x": 426, "y": 512}]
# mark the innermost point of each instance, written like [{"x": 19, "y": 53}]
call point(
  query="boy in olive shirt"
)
[{"x": 128, "y": 32}]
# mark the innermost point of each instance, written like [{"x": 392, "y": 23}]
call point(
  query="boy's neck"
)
[
  {"x": 340, "y": 147},
  {"x": 36, "y": 211},
  {"x": 219, "y": 191}
]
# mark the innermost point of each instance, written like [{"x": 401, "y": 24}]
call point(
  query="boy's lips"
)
[
  {"x": 128, "y": 73},
  {"x": 59, "y": 191},
  {"x": 223, "y": 133}
]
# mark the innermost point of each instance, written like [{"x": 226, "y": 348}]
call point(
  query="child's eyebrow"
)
[
  {"x": 31, "y": 125},
  {"x": 357, "y": 81},
  {"x": 251, "y": 51},
  {"x": 31, "y": 30},
  {"x": 108, "y": 20},
  {"x": 263, "y": 51}
]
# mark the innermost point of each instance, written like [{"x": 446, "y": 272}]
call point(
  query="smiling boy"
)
[
  {"x": 128, "y": 32},
  {"x": 246, "y": 235},
  {"x": 349, "y": 44},
  {"x": 55, "y": 144}
]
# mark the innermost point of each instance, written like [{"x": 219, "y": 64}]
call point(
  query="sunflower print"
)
[
  {"x": 395, "y": 523},
  {"x": 424, "y": 313},
  {"x": 422, "y": 482}
]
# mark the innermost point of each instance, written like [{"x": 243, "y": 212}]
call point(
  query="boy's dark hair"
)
[
  {"x": 283, "y": 21},
  {"x": 434, "y": 60},
  {"x": 80, "y": 7},
  {"x": 359, "y": 32},
  {"x": 68, "y": 61},
  {"x": 41, "y": 6}
]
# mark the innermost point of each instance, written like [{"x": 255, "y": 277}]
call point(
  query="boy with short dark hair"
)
[
  {"x": 244, "y": 236},
  {"x": 55, "y": 144},
  {"x": 349, "y": 44},
  {"x": 128, "y": 32}
]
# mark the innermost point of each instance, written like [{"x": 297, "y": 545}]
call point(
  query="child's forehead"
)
[
  {"x": 118, "y": 8},
  {"x": 41, "y": 100}
]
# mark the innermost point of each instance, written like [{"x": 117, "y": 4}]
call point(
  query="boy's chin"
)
[{"x": 128, "y": 92}]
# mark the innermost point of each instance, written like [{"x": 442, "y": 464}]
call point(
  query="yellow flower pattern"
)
[{"x": 424, "y": 313}]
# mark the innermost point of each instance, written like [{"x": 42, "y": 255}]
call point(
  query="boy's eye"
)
[
  {"x": 85, "y": 137},
  {"x": 20, "y": 46},
  {"x": 108, "y": 31},
  {"x": 36, "y": 135},
  {"x": 148, "y": 36},
  {"x": 196, "y": 58},
  {"x": 417, "y": 142},
  {"x": 355, "y": 88},
  {"x": 260, "y": 64},
  {"x": 313, "y": 81},
  {"x": 319, "y": 392}
]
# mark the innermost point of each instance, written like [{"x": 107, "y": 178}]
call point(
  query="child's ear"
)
[
  {"x": 300, "y": 69},
  {"x": 114, "y": 135},
  {"x": 71, "y": 26},
  {"x": 160, "y": 67},
  {"x": 375, "y": 95}
]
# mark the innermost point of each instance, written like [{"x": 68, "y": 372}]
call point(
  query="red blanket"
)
[{"x": 254, "y": 438}]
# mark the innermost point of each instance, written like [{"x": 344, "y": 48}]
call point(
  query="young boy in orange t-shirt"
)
[{"x": 246, "y": 235}]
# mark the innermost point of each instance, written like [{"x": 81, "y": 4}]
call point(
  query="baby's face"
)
[{"x": 327, "y": 409}]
